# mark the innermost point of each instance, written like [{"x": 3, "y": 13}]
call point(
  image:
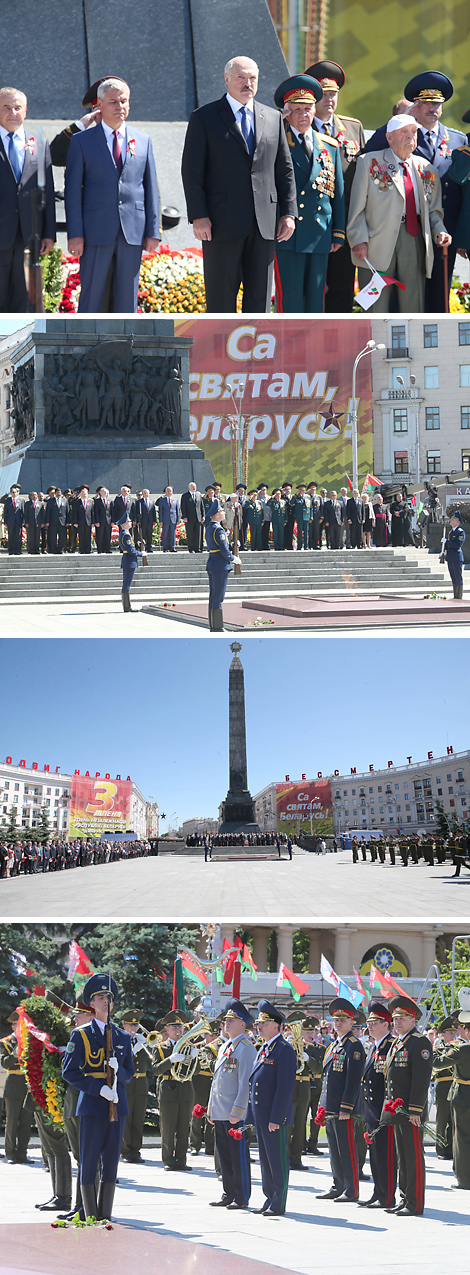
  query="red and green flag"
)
[
  {"x": 193, "y": 970},
  {"x": 291, "y": 982},
  {"x": 378, "y": 984}
]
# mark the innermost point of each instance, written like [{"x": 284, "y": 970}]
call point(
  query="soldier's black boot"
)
[
  {"x": 210, "y": 614},
  {"x": 52, "y": 1168},
  {"x": 106, "y": 1199},
  {"x": 90, "y": 1207},
  {"x": 77, "y": 1206},
  {"x": 126, "y": 602},
  {"x": 217, "y": 620}
]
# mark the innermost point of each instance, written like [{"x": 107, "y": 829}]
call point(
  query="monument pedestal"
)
[{"x": 106, "y": 402}]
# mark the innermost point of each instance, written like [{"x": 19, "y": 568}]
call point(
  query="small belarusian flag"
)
[
  {"x": 372, "y": 290},
  {"x": 193, "y": 970},
  {"x": 291, "y": 982}
]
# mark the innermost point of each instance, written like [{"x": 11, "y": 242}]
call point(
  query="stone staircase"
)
[{"x": 182, "y": 577}]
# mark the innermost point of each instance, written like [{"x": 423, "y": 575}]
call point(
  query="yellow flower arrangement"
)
[{"x": 52, "y": 1101}]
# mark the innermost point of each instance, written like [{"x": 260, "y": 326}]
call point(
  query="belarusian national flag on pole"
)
[
  {"x": 388, "y": 979},
  {"x": 80, "y": 966},
  {"x": 193, "y": 970},
  {"x": 248, "y": 965},
  {"x": 372, "y": 480},
  {"x": 379, "y": 985},
  {"x": 366, "y": 996},
  {"x": 291, "y": 982}
]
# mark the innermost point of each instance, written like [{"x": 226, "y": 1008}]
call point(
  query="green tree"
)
[
  {"x": 442, "y": 820},
  {"x": 462, "y": 969},
  {"x": 43, "y": 831},
  {"x": 12, "y": 832}
]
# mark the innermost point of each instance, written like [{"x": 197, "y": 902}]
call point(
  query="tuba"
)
[
  {"x": 295, "y": 1039},
  {"x": 185, "y": 1067}
]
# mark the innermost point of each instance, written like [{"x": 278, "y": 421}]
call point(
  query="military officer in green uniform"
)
[
  {"x": 349, "y": 134},
  {"x": 442, "y": 1074},
  {"x": 136, "y": 1090},
  {"x": 302, "y": 515},
  {"x": 459, "y": 172},
  {"x": 278, "y": 508},
  {"x": 301, "y": 1094},
  {"x": 301, "y": 261},
  {"x": 254, "y": 518},
  {"x": 208, "y": 501},
  {"x": 316, "y": 1054},
  {"x": 19, "y": 1105},
  {"x": 202, "y": 1129},
  {"x": 456, "y": 1057},
  {"x": 175, "y": 1096}
]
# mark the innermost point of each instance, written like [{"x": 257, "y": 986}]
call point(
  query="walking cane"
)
[{"x": 446, "y": 278}]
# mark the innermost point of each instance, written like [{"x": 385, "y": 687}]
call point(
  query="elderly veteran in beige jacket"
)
[{"x": 395, "y": 214}]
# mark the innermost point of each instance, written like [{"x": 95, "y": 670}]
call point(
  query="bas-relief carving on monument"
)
[
  {"x": 22, "y": 403},
  {"x": 109, "y": 388}
]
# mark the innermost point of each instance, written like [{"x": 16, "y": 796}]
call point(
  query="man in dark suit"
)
[
  {"x": 355, "y": 518},
  {"x": 102, "y": 519},
  {"x": 238, "y": 177},
  {"x": 83, "y": 519},
  {"x": 169, "y": 517},
  {"x": 271, "y": 1089},
  {"x": 13, "y": 513},
  {"x": 122, "y": 504},
  {"x": 18, "y": 178},
  {"x": 56, "y": 514},
  {"x": 193, "y": 514},
  {"x": 144, "y": 517},
  {"x": 333, "y": 519},
  {"x": 111, "y": 202},
  {"x": 34, "y": 516}
]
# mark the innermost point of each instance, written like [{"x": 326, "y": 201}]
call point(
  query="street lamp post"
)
[
  {"x": 368, "y": 349},
  {"x": 416, "y": 419},
  {"x": 238, "y": 412}
]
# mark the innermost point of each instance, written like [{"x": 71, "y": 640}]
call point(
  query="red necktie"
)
[
  {"x": 411, "y": 216},
  {"x": 117, "y": 152}
]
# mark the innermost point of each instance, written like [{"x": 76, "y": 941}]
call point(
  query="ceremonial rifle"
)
[
  {"x": 237, "y": 570},
  {"x": 111, "y": 1077},
  {"x": 38, "y": 199}
]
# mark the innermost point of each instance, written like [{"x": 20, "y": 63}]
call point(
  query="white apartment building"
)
[
  {"x": 402, "y": 797},
  {"x": 422, "y": 426},
  {"x": 198, "y": 826},
  {"x": 265, "y": 809},
  {"x": 28, "y": 790}
]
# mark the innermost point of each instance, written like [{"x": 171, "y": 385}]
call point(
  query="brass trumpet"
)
[
  {"x": 295, "y": 1039},
  {"x": 184, "y": 1068}
]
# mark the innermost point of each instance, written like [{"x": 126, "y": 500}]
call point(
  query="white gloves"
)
[
  {"x": 113, "y": 1062},
  {"x": 238, "y": 561},
  {"x": 110, "y": 1094},
  {"x": 176, "y": 1057}
]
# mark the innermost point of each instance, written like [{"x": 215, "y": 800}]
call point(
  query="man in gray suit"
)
[
  {"x": 238, "y": 176},
  {"x": 18, "y": 181},
  {"x": 228, "y": 1102}
]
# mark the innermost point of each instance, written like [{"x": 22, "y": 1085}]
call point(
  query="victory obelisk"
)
[{"x": 238, "y": 811}]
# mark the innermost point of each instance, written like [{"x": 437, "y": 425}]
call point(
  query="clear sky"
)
[{"x": 158, "y": 710}]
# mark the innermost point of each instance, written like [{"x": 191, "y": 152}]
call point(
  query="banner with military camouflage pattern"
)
[
  {"x": 305, "y": 805},
  {"x": 289, "y": 371},
  {"x": 99, "y": 805}
]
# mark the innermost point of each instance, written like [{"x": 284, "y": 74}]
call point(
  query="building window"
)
[
  {"x": 464, "y": 333},
  {"x": 449, "y": 779},
  {"x": 433, "y": 462},
  {"x": 399, "y": 337},
  {"x": 396, "y": 372},
  {"x": 400, "y": 420},
  {"x": 6, "y": 783},
  {"x": 464, "y": 375},
  {"x": 450, "y": 788},
  {"x": 452, "y": 802},
  {"x": 430, "y": 336},
  {"x": 465, "y": 417},
  {"x": 431, "y": 378},
  {"x": 401, "y": 463},
  {"x": 465, "y": 462},
  {"x": 432, "y": 418},
  {"x": 407, "y": 807},
  {"x": 17, "y": 787}
]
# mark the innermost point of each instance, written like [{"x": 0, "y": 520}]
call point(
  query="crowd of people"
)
[
  {"x": 291, "y": 517},
  {"x": 245, "y": 1075},
  {"x": 291, "y": 188},
  {"x": 25, "y": 858}
]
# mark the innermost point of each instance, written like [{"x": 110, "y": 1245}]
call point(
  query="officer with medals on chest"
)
[
  {"x": 96, "y": 1054},
  {"x": 350, "y": 137},
  {"x": 218, "y": 566},
  {"x": 343, "y": 1067},
  {"x": 383, "y": 1160},
  {"x": 271, "y": 1088},
  {"x": 227, "y": 1107},
  {"x": 407, "y": 1076},
  {"x": 301, "y": 261}
]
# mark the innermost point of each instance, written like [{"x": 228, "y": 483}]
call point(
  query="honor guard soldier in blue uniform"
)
[
  {"x": 219, "y": 563},
  {"x": 271, "y": 1089},
  {"x": 408, "y": 1069},
  {"x": 227, "y": 1107},
  {"x": 453, "y": 554},
  {"x": 383, "y": 1159},
  {"x": 129, "y": 560},
  {"x": 302, "y": 260},
  {"x": 86, "y": 1067},
  {"x": 343, "y": 1067}
]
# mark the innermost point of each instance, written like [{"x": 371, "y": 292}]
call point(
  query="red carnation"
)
[
  {"x": 368, "y": 1139},
  {"x": 199, "y": 1111},
  {"x": 397, "y": 1104},
  {"x": 320, "y": 1117},
  {"x": 388, "y": 1105},
  {"x": 235, "y": 1133}
]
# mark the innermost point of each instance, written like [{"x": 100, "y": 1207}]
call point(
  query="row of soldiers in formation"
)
[
  {"x": 302, "y": 516},
  {"x": 238, "y": 1074},
  {"x": 26, "y": 858},
  {"x": 433, "y": 850}
]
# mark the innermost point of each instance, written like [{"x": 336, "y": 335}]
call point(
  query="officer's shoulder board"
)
[
  {"x": 455, "y": 132},
  {"x": 462, "y": 150},
  {"x": 349, "y": 119},
  {"x": 330, "y": 141}
]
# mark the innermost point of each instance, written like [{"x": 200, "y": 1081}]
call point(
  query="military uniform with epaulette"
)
[
  {"x": 19, "y": 1105},
  {"x": 137, "y": 1095},
  {"x": 175, "y": 1101},
  {"x": 278, "y": 510},
  {"x": 202, "y": 1129},
  {"x": 442, "y": 1075},
  {"x": 300, "y": 1101},
  {"x": 407, "y": 1075},
  {"x": 343, "y": 1067},
  {"x": 383, "y": 1158},
  {"x": 227, "y": 1108},
  {"x": 456, "y": 1057}
]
